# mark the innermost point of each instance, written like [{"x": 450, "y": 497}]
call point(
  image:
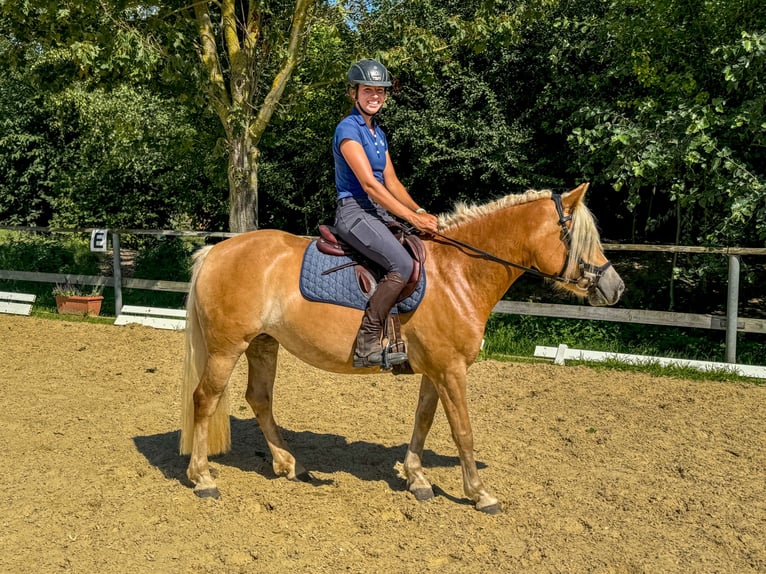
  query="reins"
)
[
  {"x": 496, "y": 259},
  {"x": 591, "y": 273}
]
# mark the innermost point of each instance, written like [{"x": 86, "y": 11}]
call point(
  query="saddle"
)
[{"x": 329, "y": 244}]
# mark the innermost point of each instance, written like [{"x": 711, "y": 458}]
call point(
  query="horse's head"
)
[{"x": 575, "y": 248}]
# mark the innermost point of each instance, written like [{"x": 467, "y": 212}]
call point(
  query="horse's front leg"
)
[
  {"x": 417, "y": 483},
  {"x": 452, "y": 392}
]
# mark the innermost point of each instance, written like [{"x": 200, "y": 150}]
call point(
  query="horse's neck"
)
[{"x": 497, "y": 233}]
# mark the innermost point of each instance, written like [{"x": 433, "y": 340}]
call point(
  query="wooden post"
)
[{"x": 117, "y": 272}]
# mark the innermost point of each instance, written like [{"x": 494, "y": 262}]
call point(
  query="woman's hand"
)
[{"x": 424, "y": 222}]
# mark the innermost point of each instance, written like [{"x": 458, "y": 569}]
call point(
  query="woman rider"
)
[{"x": 368, "y": 192}]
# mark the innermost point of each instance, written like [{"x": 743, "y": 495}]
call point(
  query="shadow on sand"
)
[{"x": 325, "y": 453}]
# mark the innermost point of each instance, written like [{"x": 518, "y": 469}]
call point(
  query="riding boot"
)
[{"x": 369, "y": 348}]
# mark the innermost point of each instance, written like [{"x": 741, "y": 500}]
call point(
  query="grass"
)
[{"x": 514, "y": 338}]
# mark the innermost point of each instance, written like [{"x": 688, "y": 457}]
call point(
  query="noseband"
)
[{"x": 589, "y": 274}]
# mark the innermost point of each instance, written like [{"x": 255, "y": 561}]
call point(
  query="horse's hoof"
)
[
  {"x": 423, "y": 494},
  {"x": 208, "y": 493},
  {"x": 302, "y": 477},
  {"x": 492, "y": 509}
]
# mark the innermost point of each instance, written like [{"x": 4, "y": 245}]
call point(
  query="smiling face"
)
[{"x": 369, "y": 99}]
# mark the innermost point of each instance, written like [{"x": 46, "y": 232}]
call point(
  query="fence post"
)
[
  {"x": 117, "y": 272},
  {"x": 732, "y": 308}
]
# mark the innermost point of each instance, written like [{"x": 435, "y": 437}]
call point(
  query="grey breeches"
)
[{"x": 361, "y": 224}]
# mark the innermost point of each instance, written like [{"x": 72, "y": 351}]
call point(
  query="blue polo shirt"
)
[{"x": 353, "y": 127}]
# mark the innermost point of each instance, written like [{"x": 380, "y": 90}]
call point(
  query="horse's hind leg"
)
[
  {"x": 262, "y": 369},
  {"x": 417, "y": 483},
  {"x": 206, "y": 397}
]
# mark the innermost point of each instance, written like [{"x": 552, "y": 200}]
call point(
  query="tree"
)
[
  {"x": 28, "y": 157},
  {"x": 133, "y": 161},
  {"x": 98, "y": 128},
  {"x": 248, "y": 51},
  {"x": 674, "y": 117},
  {"x": 249, "y": 58}
]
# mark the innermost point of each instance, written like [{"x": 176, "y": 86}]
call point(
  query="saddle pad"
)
[{"x": 340, "y": 287}]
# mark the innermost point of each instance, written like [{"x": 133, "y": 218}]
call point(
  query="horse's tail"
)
[{"x": 219, "y": 433}]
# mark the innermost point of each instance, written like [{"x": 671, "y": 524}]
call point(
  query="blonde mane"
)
[
  {"x": 465, "y": 213},
  {"x": 586, "y": 244}
]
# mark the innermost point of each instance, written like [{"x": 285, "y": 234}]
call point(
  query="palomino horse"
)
[{"x": 245, "y": 298}]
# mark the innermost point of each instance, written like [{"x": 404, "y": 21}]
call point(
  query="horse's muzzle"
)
[{"x": 604, "y": 287}]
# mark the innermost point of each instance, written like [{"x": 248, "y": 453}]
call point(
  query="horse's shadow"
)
[{"x": 324, "y": 453}]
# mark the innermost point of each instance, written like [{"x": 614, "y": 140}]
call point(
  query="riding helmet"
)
[{"x": 369, "y": 73}]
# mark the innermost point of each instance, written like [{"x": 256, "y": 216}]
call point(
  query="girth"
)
[{"x": 329, "y": 244}]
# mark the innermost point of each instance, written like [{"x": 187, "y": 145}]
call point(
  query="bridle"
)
[{"x": 589, "y": 274}]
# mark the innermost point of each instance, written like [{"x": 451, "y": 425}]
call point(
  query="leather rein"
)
[{"x": 590, "y": 274}]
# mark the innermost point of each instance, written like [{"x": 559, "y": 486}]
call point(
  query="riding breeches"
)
[{"x": 362, "y": 224}]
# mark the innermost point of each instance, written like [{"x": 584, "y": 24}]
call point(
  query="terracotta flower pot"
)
[{"x": 79, "y": 304}]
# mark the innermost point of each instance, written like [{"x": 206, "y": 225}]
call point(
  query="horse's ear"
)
[{"x": 573, "y": 197}]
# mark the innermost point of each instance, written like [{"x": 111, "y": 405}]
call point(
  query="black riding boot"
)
[{"x": 369, "y": 349}]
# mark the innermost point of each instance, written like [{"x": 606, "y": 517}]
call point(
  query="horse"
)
[{"x": 244, "y": 298}]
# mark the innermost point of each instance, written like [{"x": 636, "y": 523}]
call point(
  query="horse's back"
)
[{"x": 255, "y": 242}]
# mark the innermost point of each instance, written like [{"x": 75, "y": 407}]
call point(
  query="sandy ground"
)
[{"x": 597, "y": 470}]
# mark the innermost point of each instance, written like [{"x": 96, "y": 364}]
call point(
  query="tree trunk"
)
[{"x": 243, "y": 184}]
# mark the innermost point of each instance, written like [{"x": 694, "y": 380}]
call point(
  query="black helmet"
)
[{"x": 369, "y": 73}]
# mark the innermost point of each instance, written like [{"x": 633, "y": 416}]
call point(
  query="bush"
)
[
  {"x": 47, "y": 254},
  {"x": 168, "y": 258}
]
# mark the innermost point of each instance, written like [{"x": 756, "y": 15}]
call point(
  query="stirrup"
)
[{"x": 385, "y": 359}]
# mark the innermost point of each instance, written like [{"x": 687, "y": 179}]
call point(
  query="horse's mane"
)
[
  {"x": 465, "y": 213},
  {"x": 586, "y": 244}
]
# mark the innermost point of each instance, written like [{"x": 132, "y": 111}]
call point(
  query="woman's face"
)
[{"x": 370, "y": 99}]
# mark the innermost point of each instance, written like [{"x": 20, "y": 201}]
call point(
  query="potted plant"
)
[{"x": 72, "y": 300}]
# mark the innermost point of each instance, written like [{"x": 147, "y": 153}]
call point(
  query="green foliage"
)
[
  {"x": 47, "y": 254},
  {"x": 135, "y": 161},
  {"x": 168, "y": 258},
  {"x": 453, "y": 141},
  {"x": 102, "y": 124},
  {"x": 28, "y": 155},
  {"x": 677, "y": 119},
  {"x": 99, "y": 43}
]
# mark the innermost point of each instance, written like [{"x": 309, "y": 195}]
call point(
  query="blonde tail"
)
[{"x": 219, "y": 432}]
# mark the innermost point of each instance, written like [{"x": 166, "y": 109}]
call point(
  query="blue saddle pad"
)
[{"x": 341, "y": 287}]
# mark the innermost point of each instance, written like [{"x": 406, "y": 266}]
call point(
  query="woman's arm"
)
[{"x": 393, "y": 196}]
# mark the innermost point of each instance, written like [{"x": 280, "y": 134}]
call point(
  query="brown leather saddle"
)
[{"x": 329, "y": 244}]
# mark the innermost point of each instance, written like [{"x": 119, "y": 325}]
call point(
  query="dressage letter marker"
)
[{"x": 98, "y": 239}]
